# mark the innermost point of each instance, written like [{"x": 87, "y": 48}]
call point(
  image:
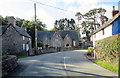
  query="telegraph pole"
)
[{"x": 35, "y": 27}]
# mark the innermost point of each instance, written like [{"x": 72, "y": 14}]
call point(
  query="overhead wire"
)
[{"x": 52, "y": 6}]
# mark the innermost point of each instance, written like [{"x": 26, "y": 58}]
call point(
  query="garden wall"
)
[
  {"x": 9, "y": 64},
  {"x": 108, "y": 49}
]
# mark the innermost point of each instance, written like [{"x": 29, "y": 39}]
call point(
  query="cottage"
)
[
  {"x": 61, "y": 38},
  {"x": 112, "y": 27},
  {"x": 15, "y": 40},
  {"x": 108, "y": 29}
]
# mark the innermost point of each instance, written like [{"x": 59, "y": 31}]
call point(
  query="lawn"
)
[{"x": 106, "y": 65}]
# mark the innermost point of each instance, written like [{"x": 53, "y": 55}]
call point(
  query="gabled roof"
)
[
  {"x": 108, "y": 23},
  {"x": 18, "y": 29},
  {"x": 72, "y": 34}
]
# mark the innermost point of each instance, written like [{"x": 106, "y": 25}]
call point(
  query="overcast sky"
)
[{"x": 24, "y": 9}]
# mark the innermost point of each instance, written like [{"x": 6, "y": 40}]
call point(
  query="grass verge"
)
[
  {"x": 22, "y": 56},
  {"x": 108, "y": 66}
]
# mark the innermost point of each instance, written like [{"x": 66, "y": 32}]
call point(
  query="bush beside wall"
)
[{"x": 108, "y": 49}]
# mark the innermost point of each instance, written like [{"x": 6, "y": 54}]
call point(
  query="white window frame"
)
[
  {"x": 23, "y": 46},
  {"x": 74, "y": 42},
  {"x": 27, "y": 47},
  {"x": 23, "y": 37}
]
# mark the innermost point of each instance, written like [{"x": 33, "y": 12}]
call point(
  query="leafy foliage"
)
[
  {"x": 108, "y": 49},
  {"x": 89, "y": 52},
  {"x": 90, "y": 22},
  {"x": 65, "y": 24},
  {"x": 4, "y": 57},
  {"x": 39, "y": 44},
  {"x": 30, "y": 25}
]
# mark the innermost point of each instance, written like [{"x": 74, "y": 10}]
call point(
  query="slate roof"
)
[
  {"x": 72, "y": 33},
  {"x": 108, "y": 23},
  {"x": 18, "y": 29}
]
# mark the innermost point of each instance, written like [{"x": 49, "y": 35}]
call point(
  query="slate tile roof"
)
[
  {"x": 72, "y": 33},
  {"x": 18, "y": 29}
]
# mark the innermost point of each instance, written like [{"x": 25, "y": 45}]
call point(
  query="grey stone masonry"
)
[{"x": 15, "y": 40}]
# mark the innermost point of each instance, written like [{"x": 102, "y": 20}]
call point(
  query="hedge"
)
[{"x": 108, "y": 49}]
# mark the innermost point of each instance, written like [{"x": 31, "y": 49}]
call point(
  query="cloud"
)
[
  {"x": 43, "y": 16},
  {"x": 69, "y": 1},
  {"x": 46, "y": 18},
  {"x": 25, "y": 9}
]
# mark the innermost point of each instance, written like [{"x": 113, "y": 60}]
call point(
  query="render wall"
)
[{"x": 99, "y": 35}]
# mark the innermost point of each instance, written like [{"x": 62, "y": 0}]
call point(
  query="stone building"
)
[
  {"x": 15, "y": 40},
  {"x": 61, "y": 38}
]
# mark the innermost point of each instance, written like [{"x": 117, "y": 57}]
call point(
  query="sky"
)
[{"x": 24, "y": 9}]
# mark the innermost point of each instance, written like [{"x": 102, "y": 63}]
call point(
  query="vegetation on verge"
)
[
  {"x": 107, "y": 49},
  {"x": 4, "y": 57},
  {"x": 22, "y": 56},
  {"x": 106, "y": 65},
  {"x": 89, "y": 52}
]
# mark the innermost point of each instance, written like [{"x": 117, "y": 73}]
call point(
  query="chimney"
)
[
  {"x": 113, "y": 8},
  {"x": 114, "y": 12},
  {"x": 102, "y": 22},
  {"x": 12, "y": 20}
]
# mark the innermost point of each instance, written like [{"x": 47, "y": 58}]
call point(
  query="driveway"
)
[{"x": 67, "y": 63}]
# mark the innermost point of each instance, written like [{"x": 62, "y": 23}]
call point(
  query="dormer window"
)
[{"x": 23, "y": 37}]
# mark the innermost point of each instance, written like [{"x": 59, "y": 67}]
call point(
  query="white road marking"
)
[{"x": 64, "y": 63}]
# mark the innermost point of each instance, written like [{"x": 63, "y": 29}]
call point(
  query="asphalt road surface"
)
[{"x": 67, "y": 63}]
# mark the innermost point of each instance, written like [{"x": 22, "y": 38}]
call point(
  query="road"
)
[{"x": 67, "y": 63}]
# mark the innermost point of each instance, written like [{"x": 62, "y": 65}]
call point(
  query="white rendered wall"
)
[{"x": 99, "y": 35}]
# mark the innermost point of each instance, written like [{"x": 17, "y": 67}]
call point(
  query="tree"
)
[
  {"x": 94, "y": 15},
  {"x": 31, "y": 28},
  {"x": 91, "y": 22},
  {"x": 30, "y": 25},
  {"x": 65, "y": 24}
]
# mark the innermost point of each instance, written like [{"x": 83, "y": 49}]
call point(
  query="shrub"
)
[
  {"x": 89, "y": 52},
  {"x": 51, "y": 47},
  {"x": 107, "y": 49},
  {"x": 4, "y": 57}
]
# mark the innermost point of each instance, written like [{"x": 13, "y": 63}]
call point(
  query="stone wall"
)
[
  {"x": 9, "y": 64},
  {"x": 56, "y": 40},
  {"x": 46, "y": 41},
  {"x": 67, "y": 41},
  {"x": 53, "y": 50},
  {"x": 11, "y": 41}
]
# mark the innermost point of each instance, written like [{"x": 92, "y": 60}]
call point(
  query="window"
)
[
  {"x": 73, "y": 43},
  {"x": 103, "y": 31},
  {"x": 56, "y": 40},
  {"x": 27, "y": 47},
  {"x": 23, "y": 46},
  {"x": 23, "y": 38},
  {"x": 29, "y": 39}
]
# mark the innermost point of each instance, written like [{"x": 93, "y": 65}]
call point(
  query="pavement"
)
[{"x": 67, "y": 63}]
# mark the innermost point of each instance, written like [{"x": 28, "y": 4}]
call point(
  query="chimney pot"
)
[
  {"x": 12, "y": 20},
  {"x": 113, "y": 8}
]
